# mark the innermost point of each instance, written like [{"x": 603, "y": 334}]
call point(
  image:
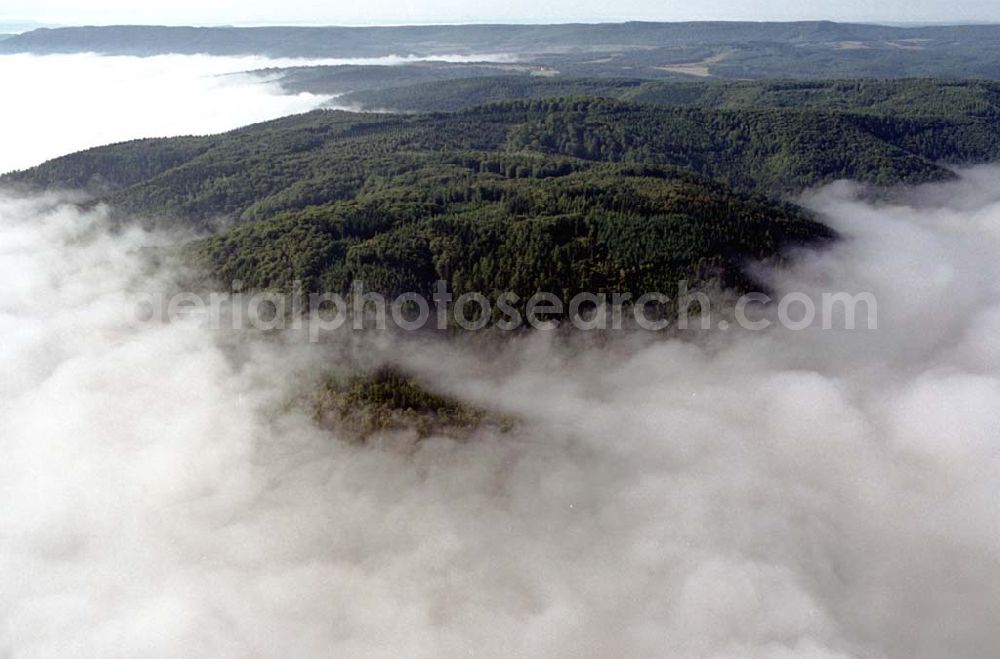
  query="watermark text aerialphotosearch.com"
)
[{"x": 363, "y": 310}]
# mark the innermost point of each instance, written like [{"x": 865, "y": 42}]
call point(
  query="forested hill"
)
[
  {"x": 329, "y": 198},
  {"x": 911, "y": 97},
  {"x": 773, "y": 151},
  {"x": 564, "y": 195}
]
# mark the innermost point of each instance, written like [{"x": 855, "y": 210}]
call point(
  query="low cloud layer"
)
[
  {"x": 814, "y": 493},
  {"x": 58, "y": 104}
]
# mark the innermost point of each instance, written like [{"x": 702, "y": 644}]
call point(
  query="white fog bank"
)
[
  {"x": 53, "y": 105},
  {"x": 776, "y": 494}
]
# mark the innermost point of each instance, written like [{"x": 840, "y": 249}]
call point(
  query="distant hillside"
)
[
  {"x": 914, "y": 98},
  {"x": 425, "y": 40},
  {"x": 816, "y": 49}
]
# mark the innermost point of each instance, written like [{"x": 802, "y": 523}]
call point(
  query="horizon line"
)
[{"x": 32, "y": 25}]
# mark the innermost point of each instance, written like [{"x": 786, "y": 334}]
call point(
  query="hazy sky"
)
[{"x": 423, "y": 11}]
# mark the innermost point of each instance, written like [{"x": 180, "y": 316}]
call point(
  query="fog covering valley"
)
[
  {"x": 57, "y": 104},
  {"x": 816, "y": 493}
]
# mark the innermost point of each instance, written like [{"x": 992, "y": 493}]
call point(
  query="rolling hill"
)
[{"x": 563, "y": 195}]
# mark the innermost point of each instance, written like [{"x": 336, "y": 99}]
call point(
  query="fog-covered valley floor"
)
[
  {"x": 817, "y": 493},
  {"x": 58, "y": 104}
]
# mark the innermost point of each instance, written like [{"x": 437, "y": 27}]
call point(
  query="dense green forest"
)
[
  {"x": 909, "y": 98},
  {"x": 565, "y": 195},
  {"x": 521, "y": 224},
  {"x": 322, "y": 156}
]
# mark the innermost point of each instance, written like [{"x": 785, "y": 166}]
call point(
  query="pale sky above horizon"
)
[{"x": 236, "y": 12}]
